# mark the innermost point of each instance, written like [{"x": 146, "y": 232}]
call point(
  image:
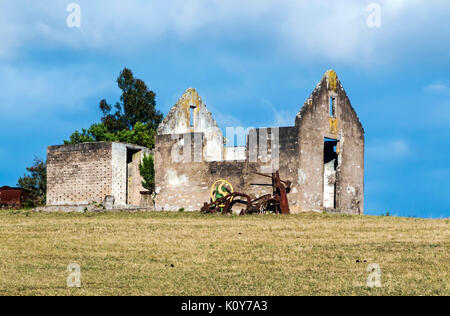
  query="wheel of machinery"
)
[{"x": 221, "y": 188}]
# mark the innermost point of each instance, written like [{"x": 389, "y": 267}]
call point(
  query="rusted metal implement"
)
[{"x": 223, "y": 198}]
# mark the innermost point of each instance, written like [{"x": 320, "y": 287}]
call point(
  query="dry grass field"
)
[{"x": 182, "y": 253}]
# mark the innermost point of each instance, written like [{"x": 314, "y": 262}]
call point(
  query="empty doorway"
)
[{"x": 330, "y": 161}]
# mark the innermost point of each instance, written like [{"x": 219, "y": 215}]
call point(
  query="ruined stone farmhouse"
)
[{"x": 322, "y": 154}]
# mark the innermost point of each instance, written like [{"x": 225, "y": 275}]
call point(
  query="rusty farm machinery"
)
[{"x": 223, "y": 198}]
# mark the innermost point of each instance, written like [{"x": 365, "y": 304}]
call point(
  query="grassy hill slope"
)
[{"x": 192, "y": 254}]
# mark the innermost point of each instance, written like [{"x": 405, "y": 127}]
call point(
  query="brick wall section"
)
[{"x": 78, "y": 174}]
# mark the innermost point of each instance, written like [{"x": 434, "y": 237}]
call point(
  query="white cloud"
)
[
  {"x": 388, "y": 150},
  {"x": 281, "y": 118},
  {"x": 439, "y": 88},
  {"x": 335, "y": 30}
]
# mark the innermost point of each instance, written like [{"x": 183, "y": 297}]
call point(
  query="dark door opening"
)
[{"x": 330, "y": 161}]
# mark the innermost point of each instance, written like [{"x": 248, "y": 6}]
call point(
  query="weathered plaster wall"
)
[
  {"x": 180, "y": 181},
  {"x": 186, "y": 183}
]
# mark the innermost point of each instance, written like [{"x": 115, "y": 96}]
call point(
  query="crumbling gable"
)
[
  {"x": 331, "y": 149},
  {"x": 188, "y": 115}
]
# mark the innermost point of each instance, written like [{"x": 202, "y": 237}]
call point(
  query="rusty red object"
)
[
  {"x": 276, "y": 202},
  {"x": 228, "y": 201},
  {"x": 12, "y": 197}
]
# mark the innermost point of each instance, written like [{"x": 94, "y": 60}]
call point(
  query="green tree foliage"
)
[
  {"x": 35, "y": 181},
  {"x": 137, "y": 104},
  {"x": 140, "y": 135},
  {"x": 134, "y": 120},
  {"x": 147, "y": 171}
]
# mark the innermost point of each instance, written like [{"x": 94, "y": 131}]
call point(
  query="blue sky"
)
[{"x": 250, "y": 56}]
